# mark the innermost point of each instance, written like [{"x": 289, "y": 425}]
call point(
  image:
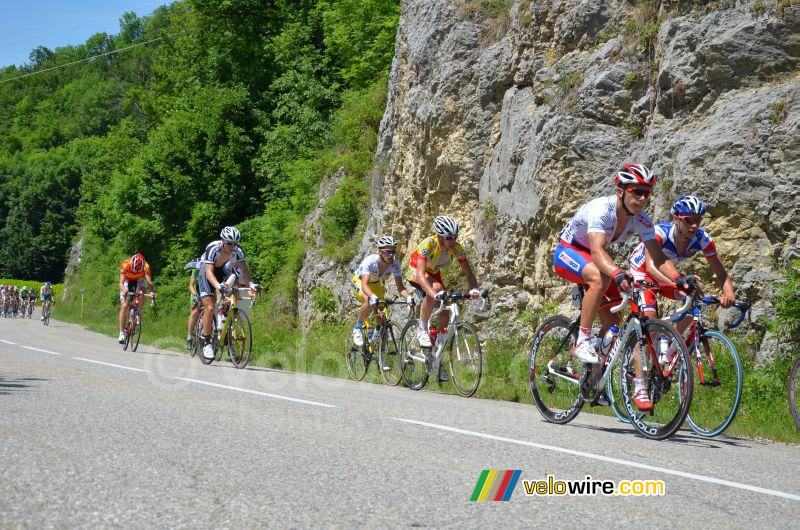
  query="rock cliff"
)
[{"x": 510, "y": 115}]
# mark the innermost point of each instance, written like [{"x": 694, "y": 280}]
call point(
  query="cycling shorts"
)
[
  {"x": 132, "y": 285},
  {"x": 376, "y": 288},
  {"x": 204, "y": 287},
  {"x": 570, "y": 260}
]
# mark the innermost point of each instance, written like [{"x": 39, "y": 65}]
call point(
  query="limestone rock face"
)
[{"x": 510, "y": 115}]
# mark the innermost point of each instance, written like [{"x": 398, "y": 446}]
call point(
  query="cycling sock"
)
[
  {"x": 583, "y": 334},
  {"x": 206, "y": 339},
  {"x": 638, "y": 384},
  {"x": 358, "y": 325}
]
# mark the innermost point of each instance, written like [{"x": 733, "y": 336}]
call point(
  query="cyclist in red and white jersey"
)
[
  {"x": 581, "y": 257},
  {"x": 680, "y": 240}
]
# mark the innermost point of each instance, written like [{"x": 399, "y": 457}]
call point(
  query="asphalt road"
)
[{"x": 94, "y": 436}]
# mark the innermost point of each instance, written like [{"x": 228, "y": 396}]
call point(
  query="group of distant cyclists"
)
[
  {"x": 580, "y": 257},
  {"x": 20, "y": 301},
  {"x": 220, "y": 268}
]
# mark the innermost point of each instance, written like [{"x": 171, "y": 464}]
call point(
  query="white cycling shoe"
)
[
  {"x": 208, "y": 351},
  {"x": 120, "y": 339},
  {"x": 358, "y": 337},
  {"x": 585, "y": 352},
  {"x": 423, "y": 338}
]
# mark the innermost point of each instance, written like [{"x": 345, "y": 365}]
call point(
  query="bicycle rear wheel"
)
[
  {"x": 466, "y": 360},
  {"x": 718, "y": 384},
  {"x": 794, "y": 390},
  {"x": 553, "y": 375},
  {"x": 389, "y": 354},
  {"x": 240, "y": 339},
  {"x": 356, "y": 358},
  {"x": 414, "y": 359},
  {"x": 670, "y": 388}
]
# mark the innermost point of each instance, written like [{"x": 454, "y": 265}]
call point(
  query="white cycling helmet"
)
[
  {"x": 386, "y": 241},
  {"x": 230, "y": 234},
  {"x": 635, "y": 174},
  {"x": 445, "y": 226},
  {"x": 689, "y": 205}
]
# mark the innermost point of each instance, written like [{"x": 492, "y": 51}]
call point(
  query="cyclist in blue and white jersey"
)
[
  {"x": 581, "y": 257},
  {"x": 220, "y": 259},
  {"x": 680, "y": 240}
]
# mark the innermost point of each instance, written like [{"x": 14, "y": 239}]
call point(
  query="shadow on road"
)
[
  {"x": 8, "y": 386},
  {"x": 685, "y": 437}
]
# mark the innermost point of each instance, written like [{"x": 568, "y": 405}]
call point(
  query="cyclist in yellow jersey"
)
[
  {"x": 425, "y": 273},
  {"x": 367, "y": 281}
]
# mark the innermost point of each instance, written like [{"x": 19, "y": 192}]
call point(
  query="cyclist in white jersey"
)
[
  {"x": 367, "y": 282},
  {"x": 581, "y": 258}
]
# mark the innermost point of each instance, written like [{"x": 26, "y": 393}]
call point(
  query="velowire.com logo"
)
[{"x": 495, "y": 485}]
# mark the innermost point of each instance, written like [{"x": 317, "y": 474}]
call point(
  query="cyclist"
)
[
  {"x": 581, "y": 257},
  {"x": 23, "y": 301},
  {"x": 194, "y": 300},
  {"x": 219, "y": 261},
  {"x": 47, "y": 296},
  {"x": 368, "y": 281},
  {"x": 33, "y": 294},
  {"x": 131, "y": 272},
  {"x": 680, "y": 240},
  {"x": 425, "y": 274}
]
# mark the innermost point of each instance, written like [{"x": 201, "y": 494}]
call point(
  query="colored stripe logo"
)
[{"x": 495, "y": 485}]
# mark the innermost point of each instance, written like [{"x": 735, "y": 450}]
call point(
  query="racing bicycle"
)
[
  {"x": 460, "y": 339},
  {"x": 381, "y": 342},
  {"x": 46, "y": 313},
  {"x": 133, "y": 327},
  {"x": 561, "y": 385},
  {"x": 235, "y": 334}
]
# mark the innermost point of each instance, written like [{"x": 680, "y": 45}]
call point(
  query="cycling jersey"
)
[
  {"x": 214, "y": 249},
  {"x": 127, "y": 271},
  {"x": 665, "y": 235},
  {"x": 600, "y": 216},
  {"x": 47, "y": 294},
  {"x": 436, "y": 257},
  {"x": 370, "y": 266}
]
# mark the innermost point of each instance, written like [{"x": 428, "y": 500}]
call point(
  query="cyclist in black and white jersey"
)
[{"x": 220, "y": 259}]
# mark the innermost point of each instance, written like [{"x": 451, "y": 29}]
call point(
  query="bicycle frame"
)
[{"x": 232, "y": 301}]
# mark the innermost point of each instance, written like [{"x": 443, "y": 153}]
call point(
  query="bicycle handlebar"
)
[{"x": 458, "y": 295}]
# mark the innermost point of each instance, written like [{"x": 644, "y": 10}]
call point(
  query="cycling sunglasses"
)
[
  {"x": 640, "y": 193},
  {"x": 388, "y": 251},
  {"x": 691, "y": 219}
]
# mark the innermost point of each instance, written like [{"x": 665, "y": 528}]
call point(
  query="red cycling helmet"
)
[
  {"x": 137, "y": 262},
  {"x": 635, "y": 174}
]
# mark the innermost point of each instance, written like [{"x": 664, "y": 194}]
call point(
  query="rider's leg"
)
[
  {"x": 123, "y": 310},
  {"x": 208, "y": 314}
]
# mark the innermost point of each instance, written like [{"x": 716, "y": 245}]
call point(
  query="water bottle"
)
[
  {"x": 608, "y": 339},
  {"x": 663, "y": 348},
  {"x": 433, "y": 332}
]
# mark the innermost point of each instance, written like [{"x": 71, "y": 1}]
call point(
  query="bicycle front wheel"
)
[
  {"x": 137, "y": 330},
  {"x": 466, "y": 360},
  {"x": 414, "y": 359},
  {"x": 794, "y": 389},
  {"x": 240, "y": 339},
  {"x": 356, "y": 358},
  {"x": 718, "y": 384},
  {"x": 553, "y": 375},
  {"x": 614, "y": 392},
  {"x": 669, "y": 385},
  {"x": 389, "y": 354}
]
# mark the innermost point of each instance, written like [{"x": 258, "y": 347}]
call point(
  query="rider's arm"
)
[
  {"x": 660, "y": 261},
  {"x": 247, "y": 278},
  {"x": 150, "y": 281},
  {"x": 654, "y": 273},
  {"x": 471, "y": 281},
  {"x": 398, "y": 281},
  {"x": 421, "y": 277},
  {"x": 365, "y": 286},
  {"x": 208, "y": 270},
  {"x": 600, "y": 257},
  {"x": 723, "y": 280},
  {"x": 192, "y": 289},
  {"x": 122, "y": 284}
]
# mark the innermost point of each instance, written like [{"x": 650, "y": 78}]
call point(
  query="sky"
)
[{"x": 26, "y": 24}]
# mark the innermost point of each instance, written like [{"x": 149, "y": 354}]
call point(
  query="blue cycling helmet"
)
[
  {"x": 688, "y": 205},
  {"x": 47, "y": 284}
]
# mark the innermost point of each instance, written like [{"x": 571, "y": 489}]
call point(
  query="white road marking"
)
[
  {"x": 8, "y": 342},
  {"x": 256, "y": 392},
  {"x": 41, "y": 350},
  {"x": 617, "y": 461},
  {"x": 110, "y": 364}
]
